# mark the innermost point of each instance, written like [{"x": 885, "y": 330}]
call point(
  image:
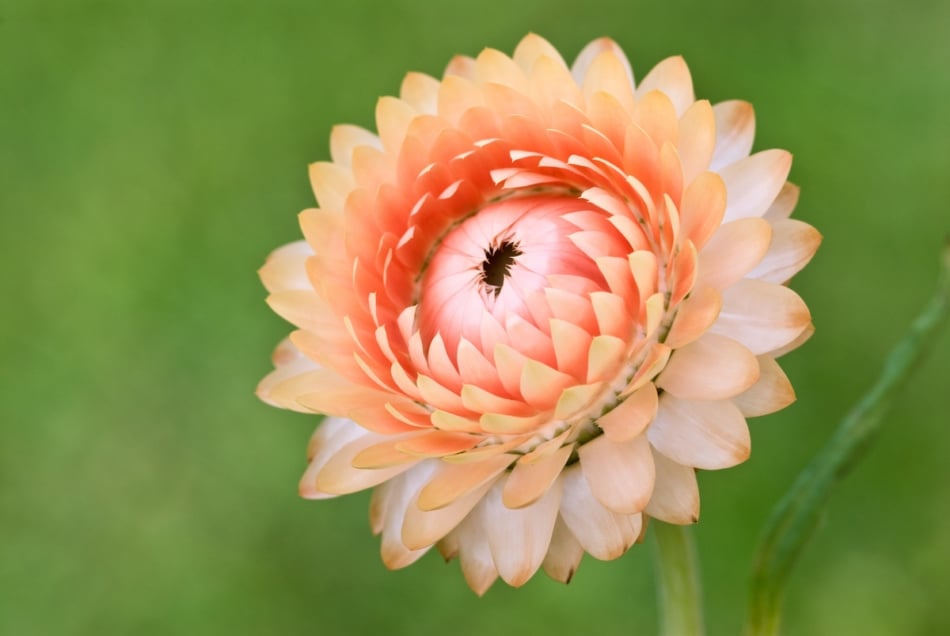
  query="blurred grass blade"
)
[{"x": 796, "y": 515}]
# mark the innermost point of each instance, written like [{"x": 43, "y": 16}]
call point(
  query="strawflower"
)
[{"x": 534, "y": 304}]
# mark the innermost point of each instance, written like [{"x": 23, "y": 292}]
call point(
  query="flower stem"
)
[
  {"x": 795, "y": 517},
  {"x": 679, "y": 597}
]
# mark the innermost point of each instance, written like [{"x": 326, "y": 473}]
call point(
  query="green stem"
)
[
  {"x": 795, "y": 517},
  {"x": 679, "y": 597}
]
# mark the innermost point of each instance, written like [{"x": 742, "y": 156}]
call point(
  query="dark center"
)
[{"x": 497, "y": 264}]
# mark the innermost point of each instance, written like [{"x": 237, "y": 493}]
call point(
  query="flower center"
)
[{"x": 499, "y": 257}]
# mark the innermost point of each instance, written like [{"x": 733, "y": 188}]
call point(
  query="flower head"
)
[{"x": 534, "y": 303}]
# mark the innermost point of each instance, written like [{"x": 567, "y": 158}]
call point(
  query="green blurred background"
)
[{"x": 153, "y": 153}]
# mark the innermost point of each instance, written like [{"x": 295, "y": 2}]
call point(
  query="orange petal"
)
[
  {"x": 711, "y": 368},
  {"x": 620, "y": 474},
  {"x": 424, "y": 527},
  {"x": 452, "y": 481},
  {"x": 707, "y": 435},
  {"x": 702, "y": 208},
  {"x": 694, "y": 316},
  {"x": 631, "y": 417},
  {"x": 529, "y": 481},
  {"x": 697, "y": 139}
]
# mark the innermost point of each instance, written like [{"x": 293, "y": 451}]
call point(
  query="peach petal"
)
[
  {"x": 477, "y": 370},
  {"x": 654, "y": 309},
  {"x": 571, "y": 347},
  {"x": 676, "y": 494},
  {"x": 657, "y": 116},
  {"x": 420, "y": 91},
  {"x": 519, "y": 538},
  {"x": 605, "y": 357},
  {"x": 331, "y": 184},
  {"x": 478, "y": 566},
  {"x": 533, "y": 47},
  {"x": 590, "y": 57},
  {"x": 462, "y": 66},
  {"x": 784, "y": 203},
  {"x": 802, "y": 338},
  {"x": 611, "y": 313},
  {"x": 503, "y": 424},
  {"x": 437, "y": 443},
  {"x": 492, "y": 65},
  {"x": 479, "y": 400},
  {"x": 654, "y": 362},
  {"x": 753, "y": 183},
  {"x": 345, "y": 138},
  {"x": 733, "y": 252},
  {"x": 620, "y": 475},
  {"x": 332, "y": 435},
  {"x": 697, "y": 139},
  {"x": 573, "y": 307},
  {"x": 564, "y": 554},
  {"x": 284, "y": 269},
  {"x": 644, "y": 268},
  {"x": 710, "y": 368},
  {"x": 735, "y": 131},
  {"x": 762, "y": 316},
  {"x": 694, "y": 317},
  {"x": 440, "y": 397},
  {"x": 397, "y": 494},
  {"x": 702, "y": 208},
  {"x": 707, "y": 435},
  {"x": 452, "y": 481},
  {"x": 383, "y": 455},
  {"x": 393, "y": 117},
  {"x": 304, "y": 309},
  {"x": 541, "y": 384},
  {"x": 608, "y": 77},
  {"x": 446, "y": 421},
  {"x": 773, "y": 392},
  {"x": 632, "y": 416},
  {"x": 340, "y": 477},
  {"x": 672, "y": 77},
  {"x": 683, "y": 273},
  {"x": 550, "y": 81},
  {"x": 794, "y": 243},
  {"x": 577, "y": 399},
  {"x": 422, "y": 528},
  {"x": 602, "y": 533},
  {"x": 529, "y": 481}
]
